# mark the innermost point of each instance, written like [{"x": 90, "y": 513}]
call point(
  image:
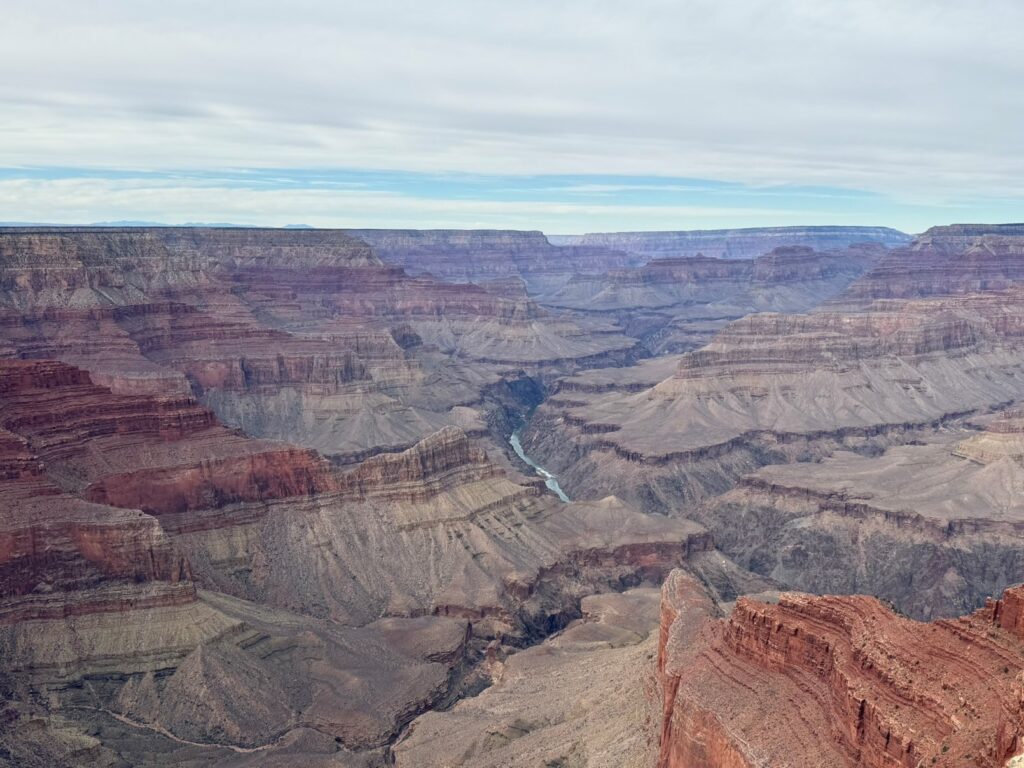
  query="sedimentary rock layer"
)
[
  {"x": 582, "y": 697},
  {"x": 773, "y": 387},
  {"x": 958, "y": 259},
  {"x": 839, "y": 681},
  {"x": 927, "y": 526},
  {"x": 678, "y": 303},
  {"x": 484, "y": 255},
  {"x": 304, "y": 336}
]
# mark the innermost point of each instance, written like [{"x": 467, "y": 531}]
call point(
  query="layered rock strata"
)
[
  {"x": 582, "y": 697},
  {"x": 304, "y": 336},
  {"x": 343, "y": 603},
  {"x": 776, "y": 387},
  {"x": 928, "y": 527},
  {"x": 958, "y": 259},
  {"x": 845, "y": 680},
  {"x": 484, "y": 255},
  {"x": 437, "y": 529},
  {"x": 676, "y": 304}
]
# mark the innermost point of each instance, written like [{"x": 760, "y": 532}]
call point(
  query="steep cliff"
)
[
  {"x": 677, "y": 303},
  {"x": 837, "y": 681},
  {"x": 302, "y": 336},
  {"x": 957, "y": 259},
  {"x": 484, "y": 255}
]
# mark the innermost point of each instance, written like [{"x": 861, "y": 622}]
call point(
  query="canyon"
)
[{"x": 714, "y": 499}]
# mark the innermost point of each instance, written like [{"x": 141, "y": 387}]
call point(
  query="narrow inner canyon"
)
[{"x": 550, "y": 481}]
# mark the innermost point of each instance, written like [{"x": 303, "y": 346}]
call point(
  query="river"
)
[{"x": 549, "y": 480}]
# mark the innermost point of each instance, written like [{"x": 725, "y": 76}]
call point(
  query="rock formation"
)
[
  {"x": 925, "y": 526},
  {"x": 582, "y": 697},
  {"x": 300, "y": 335},
  {"x": 378, "y": 569},
  {"x": 484, "y": 255},
  {"x": 774, "y": 387},
  {"x": 839, "y": 681},
  {"x": 258, "y": 507},
  {"x": 959, "y": 259},
  {"x": 188, "y": 588}
]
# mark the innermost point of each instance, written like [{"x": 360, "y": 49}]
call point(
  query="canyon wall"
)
[
  {"x": 774, "y": 387},
  {"x": 250, "y": 501},
  {"x": 838, "y": 681}
]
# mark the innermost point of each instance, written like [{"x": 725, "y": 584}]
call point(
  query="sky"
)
[{"x": 556, "y": 115}]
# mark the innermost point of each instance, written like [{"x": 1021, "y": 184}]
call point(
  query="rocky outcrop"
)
[
  {"x": 304, "y": 335},
  {"x": 722, "y": 284},
  {"x": 437, "y": 529},
  {"x": 197, "y": 593},
  {"x": 742, "y": 243},
  {"x": 837, "y": 681},
  {"x": 94, "y": 266},
  {"x": 440, "y": 462},
  {"x": 158, "y": 454},
  {"x": 581, "y": 697},
  {"x": 85, "y": 588},
  {"x": 1002, "y": 438}
]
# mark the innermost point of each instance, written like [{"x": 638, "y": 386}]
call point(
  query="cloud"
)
[
  {"x": 554, "y": 204},
  {"x": 88, "y": 200},
  {"x": 918, "y": 101}
]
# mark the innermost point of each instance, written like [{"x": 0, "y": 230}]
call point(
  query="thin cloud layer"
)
[{"x": 917, "y": 103}]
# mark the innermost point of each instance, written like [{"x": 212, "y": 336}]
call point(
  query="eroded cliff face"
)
[
  {"x": 438, "y": 529},
  {"x": 934, "y": 527},
  {"x": 837, "y": 681},
  {"x": 192, "y": 590},
  {"x": 674, "y": 304},
  {"x": 304, "y": 336},
  {"x": 344, "y": 602},
  {"x": 958, "y": 259},
  {"x": 774, "y": 387},
  {"x": 256, "y": 503}
]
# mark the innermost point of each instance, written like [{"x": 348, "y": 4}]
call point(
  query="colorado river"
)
[{"x": 549, "y": 480}]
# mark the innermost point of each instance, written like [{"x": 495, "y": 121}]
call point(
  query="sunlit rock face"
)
[{"x": 837, "y": 681}]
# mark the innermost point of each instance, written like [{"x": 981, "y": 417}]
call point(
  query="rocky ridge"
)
[
  {"x": 847, "y": 682},
  {"x": 675, "y": 304}
]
